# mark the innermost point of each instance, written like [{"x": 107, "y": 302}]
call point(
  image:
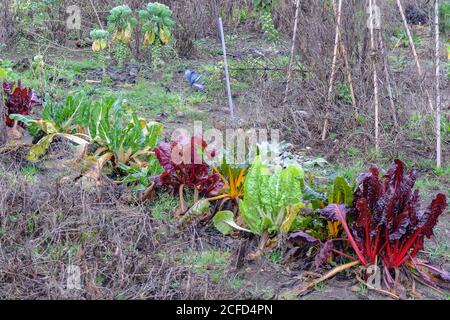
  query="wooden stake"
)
[
  {"x": 333, "y": 72},
  {"x": 227, "y": 76},
  {"x": 348, "y": 69},
  {"x": 291, "y": 60},
  {"x": 437, "y": 88},
  {"x": 375, "y": 77},
  {"x": 414, "y": 52},
  {"x": 3, "y": 134}
]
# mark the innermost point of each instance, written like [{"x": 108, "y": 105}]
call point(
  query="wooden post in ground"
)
[
  {"x": 291, "y": 59},
  {"x": 347, "y": 66},
  {"x": 333, "y": 71},
  {"x": 3, "y": 134},
  {"x": 227, "y": 75},
  {"x": 437, "y": 83},
  {"x": 375, "y": 76}
]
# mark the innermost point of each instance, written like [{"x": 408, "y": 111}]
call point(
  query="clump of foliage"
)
[
  {"x": 18, "y": 100},
  {"x": 38, "y": 70},
  {"x": 444, "y": 19},
  {"x": 386, "y": 221},
  {"x": 58, "y": 120},
  {"x": 121, "y": 24},
  {"x": 157, "y": 25},
  {"x": 99, "y": 44},
  {"x": 122, "y": 138},
  {"x": 272, "y": 199},
  {"x": 233, "y": 178},
  {"x": 184, "y": 166},
  {"x": 400, "y": 38},
  {"x": 264, "y": 8}
]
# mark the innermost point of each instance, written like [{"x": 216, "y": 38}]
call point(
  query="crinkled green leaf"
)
[{"x": 267, "y": 196}]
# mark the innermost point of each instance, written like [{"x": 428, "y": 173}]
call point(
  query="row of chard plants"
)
[{"x": 375, "y": 222}]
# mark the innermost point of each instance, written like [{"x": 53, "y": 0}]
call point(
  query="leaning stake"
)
[{"x": 227, "y": 76}]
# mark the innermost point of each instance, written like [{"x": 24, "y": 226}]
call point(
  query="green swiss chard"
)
[{"x": 272, "y": 200}]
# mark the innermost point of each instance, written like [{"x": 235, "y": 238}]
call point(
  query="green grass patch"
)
[{"x": 211, "y": 261}]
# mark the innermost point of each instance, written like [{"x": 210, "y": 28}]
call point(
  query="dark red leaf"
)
[
  {"x": 388, "y": 220},
  {"x": 19, "y": 100},
  {"x": 184, "y": 164},
  {"x": 324, "y": 253},
  {"x": 334, "y": 212},
  {"x": 300, "y": 238},
  {"x": 431, "y": 215}
]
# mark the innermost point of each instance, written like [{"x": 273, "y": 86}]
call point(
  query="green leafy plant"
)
[
  {"x": 121, "y": 24},
  {"x": 58, "y": 120},
  {"x": 122, "y": 138},
  {"x": 233, "y": 178},
  {"x": 272, "y": 200},
  {"x": 400, "y": 38},
  {"x": 264, "y": 8},
  {"x": 444, "y": 19},
  {"x": 157, "y": 25}
]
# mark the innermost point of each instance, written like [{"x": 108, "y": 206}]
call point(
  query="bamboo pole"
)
[
  {"x": 375, "y": 76},
  {"x": 414, "y": 52},
  {"x": 333, "y": 71},
  {"x": 348, "y": 69},
  {"x": 291, "y": 59},
  {"x": 437, "y": 83},
  {"x": 3, "y": 132},
  {"x": 227, "y": 76}
]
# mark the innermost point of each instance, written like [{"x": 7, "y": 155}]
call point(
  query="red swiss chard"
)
[
  {"x": 184, "y": 163},
  {"x": 386, "y": 218},
  {"x": 19, "y": 100}
]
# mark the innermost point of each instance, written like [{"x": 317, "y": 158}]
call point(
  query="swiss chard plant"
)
[
  {"x": 233, "y": 178},
  {"x": 386, "y": 223},
  {"x": 58, "y": 120},
  {"x": 340, "y": 193},
  {"x": 185, "y": 166},
  {"x": 123, "y": 138},
  {"x": 121, "y": 23},
  {"x": 18, "y": 100},
  {"x": 272, "y": 200},
  {"x": 157, "y": 24}
]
